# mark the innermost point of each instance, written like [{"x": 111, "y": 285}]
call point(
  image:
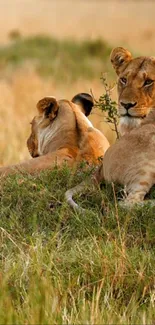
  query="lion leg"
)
[
  {"x": 35, "y": 165},
  {"x": 136, "y": 194}
]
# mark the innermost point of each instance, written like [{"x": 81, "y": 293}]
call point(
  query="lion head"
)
[
  {"x": 55, "y": 126},
  {"x": 136, "y": 87}
]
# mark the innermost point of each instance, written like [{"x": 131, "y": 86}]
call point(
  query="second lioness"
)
[{"x": 61, "y": 133}]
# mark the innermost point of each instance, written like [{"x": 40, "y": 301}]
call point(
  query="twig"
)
[{"x": 106, "y": 104}]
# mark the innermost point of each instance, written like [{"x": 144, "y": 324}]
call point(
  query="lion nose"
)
[{"x": 128, "y": 105}]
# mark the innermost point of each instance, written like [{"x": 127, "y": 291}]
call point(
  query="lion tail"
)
[
  {"x": 75, "y": 190},
  {"x": 93, "y": 180}
]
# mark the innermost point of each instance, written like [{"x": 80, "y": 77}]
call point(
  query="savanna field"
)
[{"x": 58, "y": 266}]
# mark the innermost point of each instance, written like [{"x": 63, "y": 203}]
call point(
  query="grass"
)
[
  {"x": 58, "y": 266},
  {"x": 64, "y": 60}
]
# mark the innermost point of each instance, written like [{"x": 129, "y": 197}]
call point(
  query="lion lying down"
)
[
  {"x": 130, "y": 162},
  {"x": 61, "y": 133}
]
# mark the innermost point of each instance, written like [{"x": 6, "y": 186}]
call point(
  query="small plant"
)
[{"x": 106, "y": 104}]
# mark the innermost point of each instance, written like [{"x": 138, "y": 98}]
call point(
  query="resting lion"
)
[
  {"x": 136, "y": 87},
  {"x": 130, "y": 162},
  {"x": 61, "y": 133}
]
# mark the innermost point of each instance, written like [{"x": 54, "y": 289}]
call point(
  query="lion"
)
[
  {"x": 61, "y": 133},
  {"x": 136, "y": 87},
  {"x": 130, "y": 161}
]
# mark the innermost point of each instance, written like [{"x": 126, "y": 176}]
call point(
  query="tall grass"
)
[{"x": 58, "y": 266}]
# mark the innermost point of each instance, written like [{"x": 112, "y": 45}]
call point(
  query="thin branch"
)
[
  {"x": 105, "y": 104},
  {"x": 94, "y": 99}
]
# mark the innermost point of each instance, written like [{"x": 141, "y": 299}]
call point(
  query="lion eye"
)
[
  {"x": 123, "y": 81},
  {"x": 148, "y": 82}
]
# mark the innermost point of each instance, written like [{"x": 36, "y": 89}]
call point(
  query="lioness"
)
[
  {"x": 130, "y": 162},
  {"x": 61, "y": 133},
  {"x": 136, "y": 87}
]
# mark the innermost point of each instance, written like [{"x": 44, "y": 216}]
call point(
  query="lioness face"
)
[{"x": 136, "y": 87}]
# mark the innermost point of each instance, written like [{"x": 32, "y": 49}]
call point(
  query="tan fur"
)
[
  {"x": 130, "y": 162},
  {"x": 60, "y": 133},
  {"x": 133, "y": 76}
]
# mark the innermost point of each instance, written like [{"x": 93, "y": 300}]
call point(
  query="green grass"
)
[
  {"x": 64, "y": 60},
  {"x": 57, "y": 266}
]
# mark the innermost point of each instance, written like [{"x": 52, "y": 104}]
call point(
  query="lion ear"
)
[
  {"x": 48, "y": 106},
  {"x": 85, "y": 101},
  {"x": 119, "y": 57}
]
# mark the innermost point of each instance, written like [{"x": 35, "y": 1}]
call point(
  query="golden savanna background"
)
[{"x": 60, "y": 48}]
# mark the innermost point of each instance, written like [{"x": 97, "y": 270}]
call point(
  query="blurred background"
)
[{"x": 60, "y": 48}]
